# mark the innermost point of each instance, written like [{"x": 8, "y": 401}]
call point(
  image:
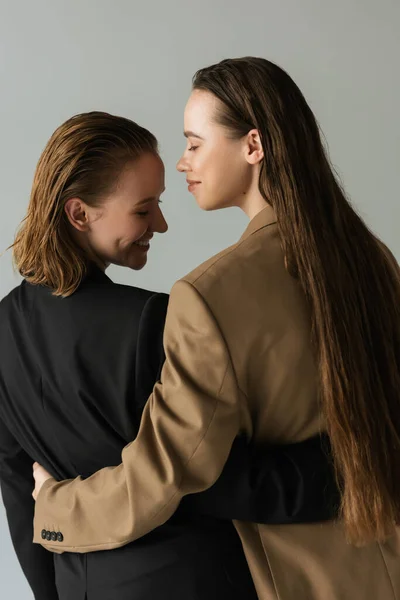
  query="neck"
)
[
  {"x": 252, "y": 204},
  {"x": 99, "y": 262},
  {"x": 251, "y": 201},
  {"x": 89, "y": 252}
]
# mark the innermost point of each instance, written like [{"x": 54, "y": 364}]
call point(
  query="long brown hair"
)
[
  {"x": 350, "y": 279},
  {"x": 83, "y": 158}
]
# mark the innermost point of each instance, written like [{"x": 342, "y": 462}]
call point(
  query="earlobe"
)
[{"x": 77, "y": 214}]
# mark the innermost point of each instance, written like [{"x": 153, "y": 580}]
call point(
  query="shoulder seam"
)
[{"x": 234, "y": 247}]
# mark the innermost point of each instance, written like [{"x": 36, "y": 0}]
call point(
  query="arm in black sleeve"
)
[
  {"x": 283, "y": 484},
  {"x": 292, "y": 483},
  {"x": 16, "y": 486}
]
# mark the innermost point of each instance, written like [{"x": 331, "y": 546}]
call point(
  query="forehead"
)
[
  {"x": 145, "y": 176},
  {"x": 200, "y": 108}
]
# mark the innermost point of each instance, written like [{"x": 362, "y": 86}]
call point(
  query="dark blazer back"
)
[{"x": 76, "y": 371}]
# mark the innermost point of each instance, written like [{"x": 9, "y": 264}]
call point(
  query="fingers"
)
[
  {"x": 36, "y": 475},
  {"x": 39, "y": 471}
]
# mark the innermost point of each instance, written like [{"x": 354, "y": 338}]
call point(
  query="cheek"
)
[
  {"x": 134, "y": 230},
  {"x": 211, "y": 169},
  {"x": 118, "y": 231},
  {"x": 227, "y": 172},
  {"x": 101, "y": 231}
]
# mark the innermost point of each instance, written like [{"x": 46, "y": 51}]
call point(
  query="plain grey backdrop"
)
[{"x": 136, "y": 59}]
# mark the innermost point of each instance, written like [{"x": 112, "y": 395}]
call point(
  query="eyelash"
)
[
  {"x": 145, "y": 213},
  {"x": 192, "y": 148}
]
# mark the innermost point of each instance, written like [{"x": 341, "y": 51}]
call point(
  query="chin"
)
[
  {"x": 136, "y": 266},
  {"x": 209, "y": 206},
  {"x": 134, "y": 263}
]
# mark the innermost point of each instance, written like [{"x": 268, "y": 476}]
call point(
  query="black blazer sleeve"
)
[
  {"x": 150, "y": 355},
  {"x": 16, "y": 486},
  {"x": 292, "y": 483},
  {"x": 274, "y": 485}
]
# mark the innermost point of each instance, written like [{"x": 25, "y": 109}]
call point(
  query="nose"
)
[
  {"x": 182, "y": 165},
  {"x": 160, "y": 225}
]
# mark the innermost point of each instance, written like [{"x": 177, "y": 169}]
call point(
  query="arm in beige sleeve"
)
[{"x": 187, "y": 430}]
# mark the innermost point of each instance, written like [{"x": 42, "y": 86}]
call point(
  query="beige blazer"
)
[{"x": 237, "y": 342}]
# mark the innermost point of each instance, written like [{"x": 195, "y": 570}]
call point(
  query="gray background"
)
[{"x": 136, "y": 59}]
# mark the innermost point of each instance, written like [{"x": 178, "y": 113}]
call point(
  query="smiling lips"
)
[{"x": 143, "y": 244}]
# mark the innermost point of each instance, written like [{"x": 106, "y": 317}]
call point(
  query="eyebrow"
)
[
  {"x": 192, "y": 134},
  {"x": 150, "y": 199}
]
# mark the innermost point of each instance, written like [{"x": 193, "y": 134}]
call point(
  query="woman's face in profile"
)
[
  {"x": 120, "y": 230},
  {"x": 215, "y": 165}
]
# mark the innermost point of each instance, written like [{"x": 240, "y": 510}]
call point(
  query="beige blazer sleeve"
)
[{"x": 187, "y": 430}]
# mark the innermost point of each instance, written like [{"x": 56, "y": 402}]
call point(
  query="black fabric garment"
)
[{"x": 75, "y": 374}]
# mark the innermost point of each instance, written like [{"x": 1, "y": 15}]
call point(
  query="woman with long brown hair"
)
[
  {"x": 298, "y": 331},
  {"x": 79, "y": 357}
]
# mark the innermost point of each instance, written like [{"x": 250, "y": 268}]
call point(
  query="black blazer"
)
[{"x": 75, "y": 374}]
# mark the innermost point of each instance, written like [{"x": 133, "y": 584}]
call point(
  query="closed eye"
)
[
  {"x": 144, "y": 213},
  {"x": 192, "y": 148}
]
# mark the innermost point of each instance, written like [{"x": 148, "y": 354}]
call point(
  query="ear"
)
[
  {"x": 77, "y": 214},
  {"x": 254, "y": 149}
]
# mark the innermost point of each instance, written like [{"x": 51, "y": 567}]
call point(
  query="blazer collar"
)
[
  {"x": 94, "y": 273},
  {"x": 262, "y": 219}
]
